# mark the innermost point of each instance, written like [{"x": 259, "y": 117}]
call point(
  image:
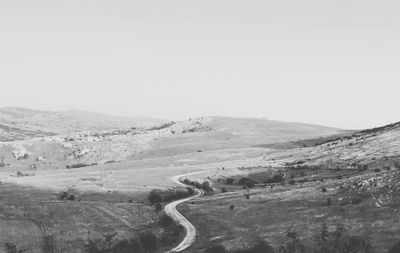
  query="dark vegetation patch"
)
[
  {"x": 158, "y": 196},
  {"x": 205, "y": 186},
  {"x": 80, "y": 165},
  {"x": 340, "y": 239},
  {"x": 162, "y": 126}
]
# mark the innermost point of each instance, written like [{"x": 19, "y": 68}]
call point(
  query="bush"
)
[
  {"x": 105, "y": 245},
  {"x": 324, "y": 189},
  {"x": 149, "y": 241},
  {"x": 293, "y": 245},
  {"x": 206, "y": 186},
  {"x": 79, "y": 165},
  {"x": 277, "y": 178},
  {"x": 157, "y": 207},
  {"x": 154, "y": 197},
  {"x": 395, "y": 248},
  {"x": 377, "y": 170},
  {"x": 292, "y": 182},
  {"x": 356, "y": 201},
  {"x": 165, "y": 221},
  {"x": 223, "y": 190},
  {"x": 341, "y": 240},
  {"x": 328, "y": 201},
  {"x": 216, "y": 249},
  {"x": 261, "y": 247},
  {"x": 230, "y": 181},
  {"x": 12, "y": 248},
  {"x": 244, "y": 181},
  {"x": 231, "y": 207},
  {"x": 48, "y": 245}
]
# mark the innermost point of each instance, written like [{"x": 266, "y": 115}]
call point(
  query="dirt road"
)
[{"x": 171, "y": 211}]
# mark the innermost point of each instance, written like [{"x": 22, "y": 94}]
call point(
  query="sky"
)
[{"x": 333, "y": 62}]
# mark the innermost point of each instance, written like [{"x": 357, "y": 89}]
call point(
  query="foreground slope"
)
[{"x": 350, "y": 182}]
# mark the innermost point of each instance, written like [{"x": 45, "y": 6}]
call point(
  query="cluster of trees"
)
[
  {"x": 250, "y": 183},
  {"x": 158, "y": 196},
  {"x": 205, "y": 186}
]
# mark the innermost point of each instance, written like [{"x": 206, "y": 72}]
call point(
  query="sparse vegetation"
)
[
  {"x": 79, "y": 165},
  {"x": 158, "y": 196},
  {"x": 12, "y": 248}
]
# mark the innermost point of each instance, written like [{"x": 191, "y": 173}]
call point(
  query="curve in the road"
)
[{"x": 171, "y": 211}]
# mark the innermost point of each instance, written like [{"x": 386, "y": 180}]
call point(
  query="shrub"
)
[
  {"x": 105, "y": 245},
  {"x": 223, "y": 190},
  {"x": 154, "y": 197},
  {"x": 2, "y": 165},
  {"x": 377, "y": 170},
  {"x": 79, "y": 165},
  {"x": 277, "y": 178},
  {"x": 206, "y": 186},
  {"x": 149, "y": 241},
  {"x": 244, "y": 181},
  {"x": 157, "y": 207},
  {"x": 395, "y": 248},
  {"x": 261, "y": 247},
  {"x": 292, "y": 181},
  {"x": 324, "y": 189},
  {"x": 48, "y": 245},
  {"x": 341, "y": 240},
  {"x": 328, "y": 201},
  {"x": 12, "y": 248},
  {"x": 231, "y": 207},
  {"x": 356, "y": 201},
  {"x": 247, "y": 196},
  {"x": 216, "y": 249},
  {"x": 293, "y": 245},
  {"x": 165, "y": 221},
  {"x": 230, "y": 181}
]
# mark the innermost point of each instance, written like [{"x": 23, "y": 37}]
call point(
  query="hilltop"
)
[{"x": 18, "y": 123}]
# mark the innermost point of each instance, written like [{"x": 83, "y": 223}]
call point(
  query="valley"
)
[{"x": 88, "y": 190}]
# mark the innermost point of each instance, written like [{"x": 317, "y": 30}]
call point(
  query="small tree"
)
[
  {"x": 206, "y": 186},
  {"x": 157, "y": 207},
  {"x": 328, "y": 201},
  {"x": 230, "y": 181},
  {"x": 154, "y": 197},
  {"x": 293, "y": 245}
]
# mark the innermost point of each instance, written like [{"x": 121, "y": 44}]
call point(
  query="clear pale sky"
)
[{"x": 334, "y": 63}]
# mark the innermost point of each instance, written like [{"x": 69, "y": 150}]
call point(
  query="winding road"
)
[{"x": 171, "y": 211}]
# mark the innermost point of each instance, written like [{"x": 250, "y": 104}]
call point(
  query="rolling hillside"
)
[{"x": 18, "y": 123}]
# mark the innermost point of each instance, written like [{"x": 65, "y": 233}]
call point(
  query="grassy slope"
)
[{"x": 271, "y": 213}]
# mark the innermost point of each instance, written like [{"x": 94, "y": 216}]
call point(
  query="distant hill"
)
[
  {"x": 212, "y": 133},
  {"x": 18, "y": 123}
]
